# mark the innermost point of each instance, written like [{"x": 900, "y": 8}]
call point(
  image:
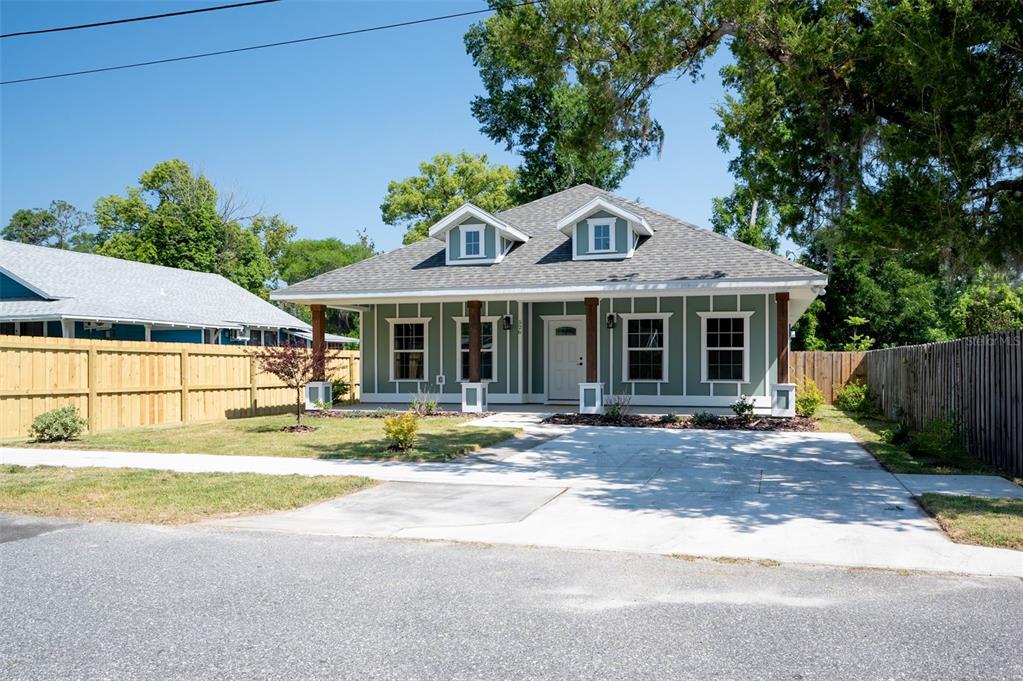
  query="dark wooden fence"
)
[
  {"x": 976, "y": 382},
  {"x": 829, "y": 370}
]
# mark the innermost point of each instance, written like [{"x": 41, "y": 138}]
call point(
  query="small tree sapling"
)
[{"x": 295, "y": 366}]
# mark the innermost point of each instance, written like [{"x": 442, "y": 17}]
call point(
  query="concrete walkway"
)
[{"x": 794, "y": 497}]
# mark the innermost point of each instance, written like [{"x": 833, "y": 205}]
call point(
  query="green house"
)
[{"x": 574, "y": 298}]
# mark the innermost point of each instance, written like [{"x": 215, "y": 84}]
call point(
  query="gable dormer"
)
[
  {"x": 601, "y": 230},
  {"x": 472, "y": 236}
]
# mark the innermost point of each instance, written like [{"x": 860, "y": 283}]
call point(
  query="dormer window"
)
[
  {"x": 472, "y": 241},
  {"x": 601, "y": 235}
]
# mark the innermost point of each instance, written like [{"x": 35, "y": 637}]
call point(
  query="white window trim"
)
[
  {"x": 593, "y": 222},
  {"x": 458, "y": 346},
  {"x": 625, "y": 317},
  {"x": 704, "y": 350},
  {"x": 425, "y": 321},
  {"x": 465, "y": 229}
]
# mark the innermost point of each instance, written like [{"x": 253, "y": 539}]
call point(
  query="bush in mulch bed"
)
[{"x": 797, "y": 423}]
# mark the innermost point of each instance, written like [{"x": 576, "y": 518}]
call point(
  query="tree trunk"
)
[{"x": 298, "y": 406}]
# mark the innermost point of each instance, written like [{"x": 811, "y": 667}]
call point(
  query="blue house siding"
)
[
  {"x": 176, "y": 335},
  {"x": 133, "y": 332},
  {"x": 12, "y": 290}
]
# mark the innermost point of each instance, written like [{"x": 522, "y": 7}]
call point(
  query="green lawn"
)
[
  {"x": 867, "y": 429},
  {"x": 974, "y": 520},
  {"x": 441, "y": 439},
  {"x": 140, "y": 496}
]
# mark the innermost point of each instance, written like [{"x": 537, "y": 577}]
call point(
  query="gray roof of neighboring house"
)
[
  {"x": 86, "y": 286},
  {"x": 677, "y": 251}
]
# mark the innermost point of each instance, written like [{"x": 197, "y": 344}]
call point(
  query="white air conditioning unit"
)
[
  {"x": 241, "y": 334},
  {"x": 97, "y": 326}
]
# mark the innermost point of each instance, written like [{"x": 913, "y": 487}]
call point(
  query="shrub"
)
[
  {"x": 743, "y": 408},
  {"x": 402, "y": 431},
  {"x": 896, "y": 435},
  {"x": 856, "y": 397},
  {"x": 62, "y": 423},
  {"x": 809, "y": 397},
  {"x": 339, "y": 390},
  {"x": 617, "y": 407},
  {"x": 424, "y": 403},
  {"x": 671, "y": 418},
  {"x": 940, "y": 440},
  {"x": 703, "y": 418}
]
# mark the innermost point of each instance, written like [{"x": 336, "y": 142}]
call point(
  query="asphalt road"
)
[{"x": 121, "y": 601}]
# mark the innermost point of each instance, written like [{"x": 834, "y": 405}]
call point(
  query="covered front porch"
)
[{"x": 681, "y": 352}]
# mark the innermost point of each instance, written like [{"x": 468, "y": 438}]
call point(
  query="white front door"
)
[{"x": 566, "y": 358}]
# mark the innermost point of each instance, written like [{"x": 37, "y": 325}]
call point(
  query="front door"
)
[{"x": 566, "y": 359}]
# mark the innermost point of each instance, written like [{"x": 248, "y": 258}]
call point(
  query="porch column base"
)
[
  {"x": 318, "y": 392},
  {"x": 474, "y": 398},
  {"x": 783, "y": 399},
  {"x": 591, "y": 398}
]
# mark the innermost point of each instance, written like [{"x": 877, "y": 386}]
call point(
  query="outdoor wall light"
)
[
  {"x": 612, "y": 319},
  {"x": 506, "y": 322}
]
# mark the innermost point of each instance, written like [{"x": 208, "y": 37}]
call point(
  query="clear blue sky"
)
[{"x": 313, "y": 132}]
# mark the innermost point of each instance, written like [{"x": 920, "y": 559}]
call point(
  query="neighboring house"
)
[
  {"x": 572, "y": 298},
  {"x": 58, "y": 293}
]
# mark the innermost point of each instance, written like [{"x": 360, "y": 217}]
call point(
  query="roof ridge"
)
[
  {"x": 66, "y": 251},
  {"x": 712, "y": 233}
]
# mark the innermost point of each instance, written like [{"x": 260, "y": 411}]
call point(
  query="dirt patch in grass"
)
[
  {"x": 298, "y": 429},
  {"x": 727, "y": 560},
  {"x": 159, "y": 497},
  {"x": 977, "y": 520},
  {"x": 763, "y": 423}
]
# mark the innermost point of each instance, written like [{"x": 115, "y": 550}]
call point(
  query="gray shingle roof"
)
[
  {"x": 678, "y": 251},
  {"x": 85, "y": 286}
]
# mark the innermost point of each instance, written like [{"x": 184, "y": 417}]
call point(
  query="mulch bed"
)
[
  {"x": 298, "y": 429},
  {"x": 796, "y": 423},
  {"x": 381, "y": 413}
]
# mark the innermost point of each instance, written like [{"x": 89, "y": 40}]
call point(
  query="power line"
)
[
  {"x": 133, "y": 19},
  {"x": 250, "y": 48}
]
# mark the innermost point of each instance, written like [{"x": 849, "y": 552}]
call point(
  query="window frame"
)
[
  {"x": 465, "y": 229},
  {"x": 592, "y": 224},
  {"x": 425, "y": 321},
  {"x": 705, "y": 350},
  {"x": 493, "y": 319},
  {"x": 665, "y": 318}
]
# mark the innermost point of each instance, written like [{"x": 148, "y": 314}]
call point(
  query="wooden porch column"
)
[
  {"x": 475, "y": 340},
  {"x": 591, "y": 339},
  {"x": 782, "y": 338},
  {"x": 319, "y": 321}
]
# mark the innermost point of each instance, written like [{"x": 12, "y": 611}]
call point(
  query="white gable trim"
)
[
  {"x": 468, "y": 210},
  {"x": 638, "y": 222},
  {"x": 27, "y": 284}
]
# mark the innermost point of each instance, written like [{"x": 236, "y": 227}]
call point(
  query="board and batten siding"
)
[{"x": 683, "y": 387}]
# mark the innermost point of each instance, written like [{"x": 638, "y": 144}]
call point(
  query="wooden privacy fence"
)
[
  {"x": 829, "y": 370},
  {"x": 975, "y": 382},
  {"x": 124, "y": 384}
]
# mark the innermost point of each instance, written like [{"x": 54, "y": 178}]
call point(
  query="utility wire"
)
[
  {"x": 133, "y": 19},
  {"x": 265, "y": 45}
]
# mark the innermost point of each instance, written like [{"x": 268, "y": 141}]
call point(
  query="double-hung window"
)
[
  {"x": 408, "y": 349},
  {"x": 487, "y": 347},
  {"x": 645, "y": 344},
  {"x": 602, "y": 238},
  {"x": 726, "y": 347}
]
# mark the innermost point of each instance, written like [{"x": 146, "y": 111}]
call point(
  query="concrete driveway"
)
[{"x": 796, "y": 497}]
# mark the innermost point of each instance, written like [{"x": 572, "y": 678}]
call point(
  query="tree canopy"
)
[
  {"x": 443, "y": 184},
  {"x": 60, "y": 226}
]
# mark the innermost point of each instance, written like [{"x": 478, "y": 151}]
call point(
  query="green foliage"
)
[
  {"x": 897, "y": 434},
  {"x": 60, "y": 226},
  {"x": 275, "y": 235},
  {"x": 809, "y": 397},
  {"x": 703, "y": 418},
  {"x": 402, "y": 431},
  {"x": 745, "y": 219},
  {"x": 424, "y": 403},
  {"x": 939, "y": 440},
  {"x": 671, "y": 417},
  {"x": 856, "y": 397},
  {"x": 989, "y": 305},
  {"x": 743, "y": 408},
  {"x": 859, "y": 342},
  {"x": 62, "y": 423},
  {"x": 443, "y": 184},
  {"x": 617, "y": 407},
  {"x": 339, "y": 390}
]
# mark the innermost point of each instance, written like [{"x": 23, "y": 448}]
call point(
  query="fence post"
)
[
  {"x": 93, "y": 397},
  {"x": 184, "y": 385},
  {"x": 252, "y": 387}
]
